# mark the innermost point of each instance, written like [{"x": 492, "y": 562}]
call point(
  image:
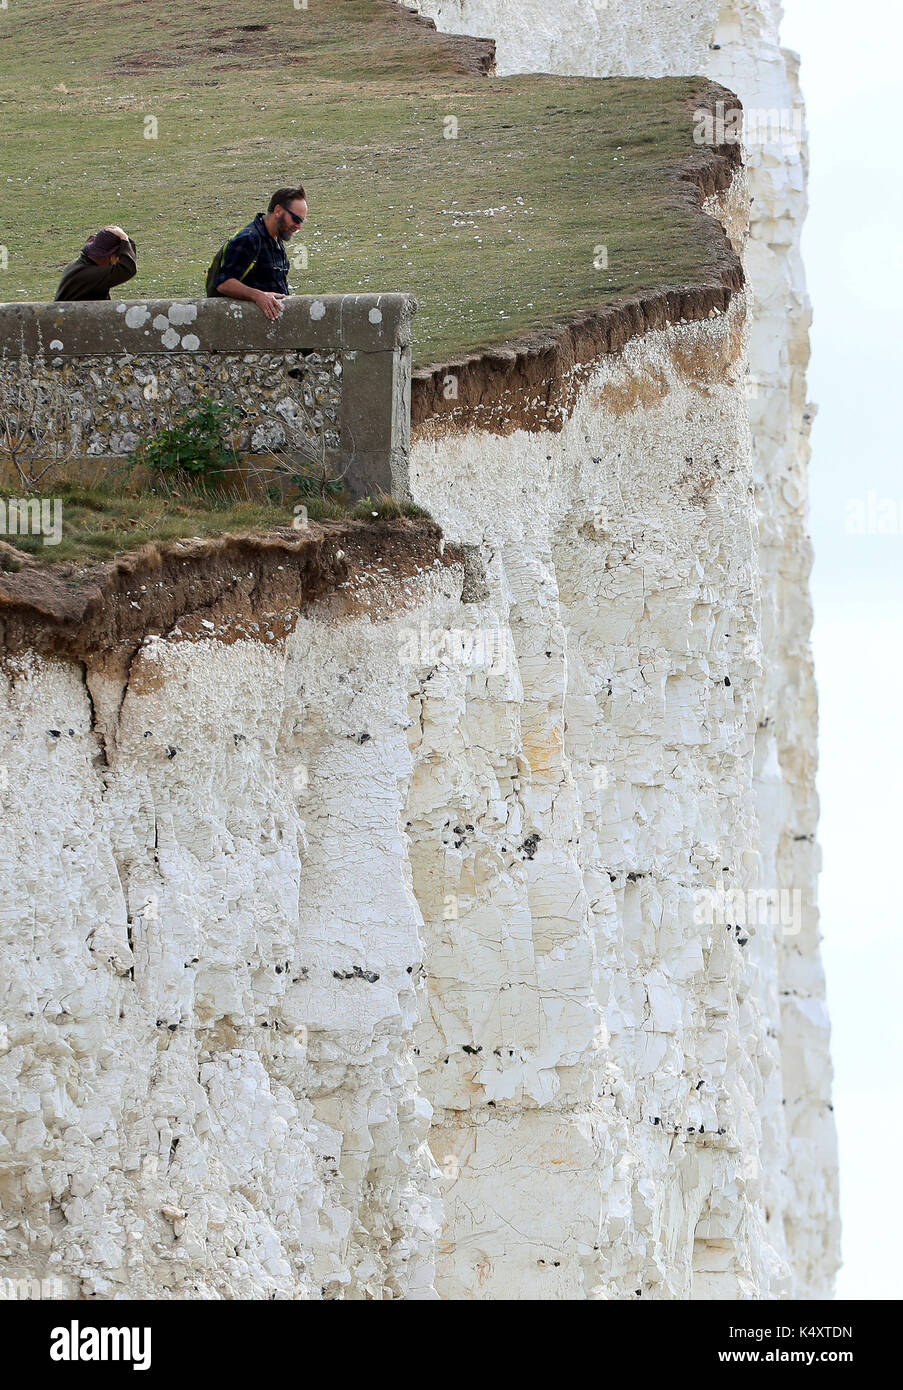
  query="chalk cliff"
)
[
  {"x": 417, "y": 913},
  {"x": 737, "y": 42}
]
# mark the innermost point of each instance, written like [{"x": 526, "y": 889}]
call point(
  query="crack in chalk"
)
[{"x": 95, "y": 726}]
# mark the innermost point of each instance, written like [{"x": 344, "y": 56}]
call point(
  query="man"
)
[
  {"x": 254, "y": 263},
  {"x": 108, "y": 258}
]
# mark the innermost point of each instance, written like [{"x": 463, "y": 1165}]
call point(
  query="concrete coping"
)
[{"x": 90, "y": 328}]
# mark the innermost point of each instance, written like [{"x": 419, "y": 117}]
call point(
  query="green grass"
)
[
  {"x": 351, "y": 98},
  {"x": 100, "y": 523},
  {"x": 495, "y": 231}
]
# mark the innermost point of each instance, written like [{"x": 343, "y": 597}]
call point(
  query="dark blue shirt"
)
[{"x": 254, "y": 243}]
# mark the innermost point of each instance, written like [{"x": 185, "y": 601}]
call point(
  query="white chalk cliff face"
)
[
  {"x": 737, "y": 43},
  {"x": 421, "y": 951},
  {"x": 600, "y": 1053},
  {"x": 457, "y": 852}
]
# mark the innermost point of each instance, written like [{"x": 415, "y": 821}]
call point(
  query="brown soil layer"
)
[
  {"x": 532, "y": 382},
  {"x": 227, "y": 588}
]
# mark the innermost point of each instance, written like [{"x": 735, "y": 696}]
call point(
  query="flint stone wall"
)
[{"x": 331, "y": 376}]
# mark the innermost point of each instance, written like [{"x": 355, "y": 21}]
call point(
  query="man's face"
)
[
  {"x": 112, "y": 259},
  {"x": 287, "y": 225}
]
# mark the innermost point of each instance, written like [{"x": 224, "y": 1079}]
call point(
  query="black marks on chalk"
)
[{"x": 356, "y": 973}]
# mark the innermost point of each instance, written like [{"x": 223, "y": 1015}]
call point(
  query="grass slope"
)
[{"x": 495, "y": 231}]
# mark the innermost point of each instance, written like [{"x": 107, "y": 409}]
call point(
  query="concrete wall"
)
[{"x": 331, "y": 375}]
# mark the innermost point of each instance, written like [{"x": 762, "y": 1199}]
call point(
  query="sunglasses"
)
[{"x": 293, "y": 215}]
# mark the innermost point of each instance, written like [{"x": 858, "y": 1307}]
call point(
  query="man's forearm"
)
[{"x": 235, "y": 289}]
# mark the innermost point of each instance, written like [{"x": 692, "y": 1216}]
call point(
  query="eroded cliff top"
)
[{"x": 228, "y": 586}]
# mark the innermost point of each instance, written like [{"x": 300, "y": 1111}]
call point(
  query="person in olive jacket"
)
[{"x": 108, "y": 258}]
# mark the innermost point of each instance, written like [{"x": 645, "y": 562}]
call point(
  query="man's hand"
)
[
  {"x": 270, "y": 302},
  {"x": 123, "y": 236}
]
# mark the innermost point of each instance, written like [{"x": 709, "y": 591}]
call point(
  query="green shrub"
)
[{"x": 196, "y": 446}]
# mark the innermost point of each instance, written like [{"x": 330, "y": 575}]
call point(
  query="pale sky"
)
[{"x": 854, "y": 263}]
